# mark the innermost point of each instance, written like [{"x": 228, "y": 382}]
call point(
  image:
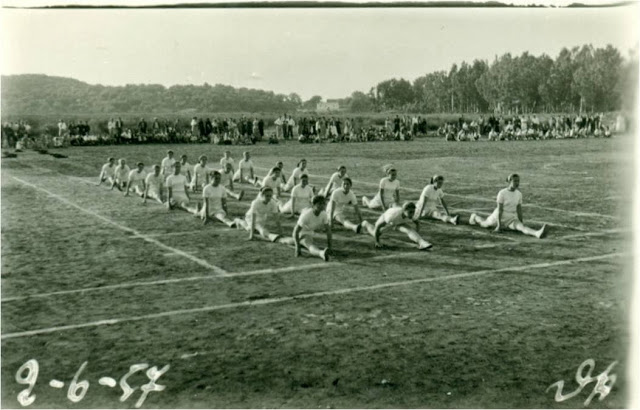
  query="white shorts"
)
[
  {"x": 286, "y": 207},
  {"x": 201, "y": 186},
  {"x": 431, "y": 213},
  {"x": 259, "y": 226},
  {"x": 340, "y": 216},
  {"x": 306, "y": 240},
  {"x": 138, "y": 189},
  {"x": 215, "y": 213},
  {"x": 153, "y": 193},
  {"x": 236, "y": 176},
  {"x": 179, "y": 199},
  {"x": 508, "y": 220},
  {"x": 286, "y": 187},
  {"x": 376, "y": 202}
]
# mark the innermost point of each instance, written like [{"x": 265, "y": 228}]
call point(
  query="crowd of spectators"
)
[
  {"x": 530, "y": 127},
  {"x": 332, "y": 129},
  {"x": 14, "y": 132},
  {"x": 312, "y": 129}
]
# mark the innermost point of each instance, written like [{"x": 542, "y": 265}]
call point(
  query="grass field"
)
[{"x": 482, "y": 320}]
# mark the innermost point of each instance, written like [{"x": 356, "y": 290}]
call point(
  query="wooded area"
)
[{"x": 578, "y": 79}]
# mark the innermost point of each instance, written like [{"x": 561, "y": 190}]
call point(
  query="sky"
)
[{"x": 326, "y": 52}]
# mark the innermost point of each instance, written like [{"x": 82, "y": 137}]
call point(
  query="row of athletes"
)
[{"x": 311, "y": 207}]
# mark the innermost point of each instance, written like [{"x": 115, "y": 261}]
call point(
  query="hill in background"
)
[{"x": 42, "y": 94}]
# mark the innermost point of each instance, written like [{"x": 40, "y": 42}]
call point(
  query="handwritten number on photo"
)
[
  {"x": 27, "y": 374},
  {"x": 74, "y": 387},
  {"x": 604, "y": 383},
  {"x": 25, "y": 398}
]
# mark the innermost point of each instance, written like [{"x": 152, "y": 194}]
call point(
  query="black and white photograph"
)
[{"x": 319, "y": 205}]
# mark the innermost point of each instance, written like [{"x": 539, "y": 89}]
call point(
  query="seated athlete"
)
[
  {"x": 340, "y": 198},
  {"x": 397, "y": 218},
  {"x": 301, "y": 196},
  {"x": 263, "y": 210},
  {"x": 508, "y": 213},
  {"x": 214, "y": 197},
  {"x": 136, "y": 180}
]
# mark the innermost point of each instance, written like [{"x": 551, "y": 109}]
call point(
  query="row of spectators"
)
[
  {"x": 246, "y": 130},
  {"x": 531, "y": 127},
  {"x": 12, "y": 132}
]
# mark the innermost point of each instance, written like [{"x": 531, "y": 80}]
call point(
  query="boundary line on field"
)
[
  {"x": 558, "y": 239},
  {"x": 312, "y": 266},
  {"x": 304, "y": 296},
  {"x": 134, "y": 232}
]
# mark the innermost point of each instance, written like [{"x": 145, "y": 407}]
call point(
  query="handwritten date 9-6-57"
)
[{"x": 28, "y": 374}]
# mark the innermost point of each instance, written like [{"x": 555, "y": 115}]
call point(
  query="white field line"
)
[
  {"x": 270, "y": 301},
  {"x": 192, "y": 258},
  {"x": 295, "y": 268},
  {"x": 476, "y": 198},
  {"x": 313, "y": 266},
  {"x": 558, "y": 239},
  {"x": 179, "y": 233}
]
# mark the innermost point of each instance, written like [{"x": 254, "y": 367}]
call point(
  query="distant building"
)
[{"x": 330, "y": 105}]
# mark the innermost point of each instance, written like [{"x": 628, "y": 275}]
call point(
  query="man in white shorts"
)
[
  {"x": 301, "y": 196},
  {"x": 244, "y": 174},
  {"x": 215, "y": 201},
  {"x": 262, "y": 210},
  {"x": 311, "y": 220},
  {"x": 200, "y": 177},
  {"x": 136, "y": 180},
  {"x": 177, "y": 191},
  {"x": 107, "y": 172},
  {"x": 167, "y": 164},
  {"x": 186, "y": 168},
  {"x": 335, "y": 182},
  {"x": 283, "y": 178},
  {"x": 294, "y": 179},
  {"x": 226, "y": 181},
  {"x": 153, "y": 185},
  {"x": 432, "y": 195},
  {"x": 227, "y": 160},
  {"x": 272, "y": 180},
  {"x": 397, "y": 218},
  {"x": 388, "y": 191},
  {"x": 121, "y": 173},
  {"x": 340, "y": 198},
  {"x": 508, "y": 212}
]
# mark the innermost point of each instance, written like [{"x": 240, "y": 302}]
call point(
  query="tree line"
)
[{"x": 579, "y": 79}]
